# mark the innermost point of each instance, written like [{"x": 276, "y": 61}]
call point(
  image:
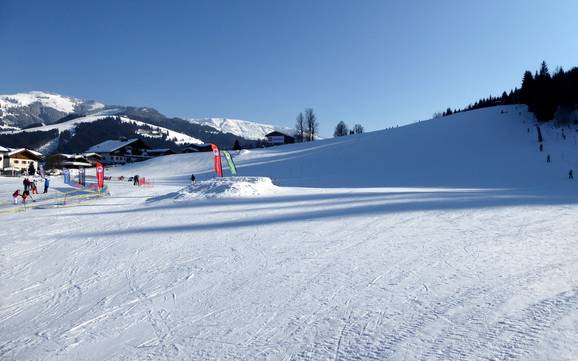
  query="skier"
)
[
  {"x": 193, "y": 178},
  {"x": 26, "y": 183},
  {"x": 135, "y": 180},
  {"x": 46, "y": 184},
  {"x": 25, "y": 195},
  {"x": 570, "y": 174},
  {"x": 548, "y": 159},
  {"x": 541, "y": 147},
  {"x": 33, "y": 187},
  {"x": 15, "y": 196}
]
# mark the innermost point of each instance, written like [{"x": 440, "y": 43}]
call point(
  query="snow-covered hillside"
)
[
  {"x": 242, "y": 128},
  {"x": 70, "y": 125},
  {"x": 481, "y": 148},
  {"x": 450, "y": 239},
  {"x": 41, "y": 107},
  {"x": 58, "y": 102}
]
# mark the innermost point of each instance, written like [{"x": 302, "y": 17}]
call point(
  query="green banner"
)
[{"x": 232, "y": 167}]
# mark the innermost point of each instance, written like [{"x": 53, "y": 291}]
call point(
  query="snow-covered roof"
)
[
  {"x": 20, "y": 150},
  {"x": 4, "y": 150},
  {"x": 70, "y": 156},
  {"x": 92, "y": 155},
  {"x": 277, "y": 133},
  {"x": 77, "y": 164},
  {"x": 110, "y": 145}
]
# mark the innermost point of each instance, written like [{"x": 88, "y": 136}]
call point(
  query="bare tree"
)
[
  {"x": 312, "y": 124},
  {"x": 358, "y": 129},
  {"x": 340, "y": 129},
  {"x": 300, "y": 128}
]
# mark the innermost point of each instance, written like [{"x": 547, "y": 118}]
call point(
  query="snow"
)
[
  {"x": 241, "y": 128},
  {"x": 56, "y": 101},
  {"x": 229, "y": 187},
  {"x": 448, "y": 239}
]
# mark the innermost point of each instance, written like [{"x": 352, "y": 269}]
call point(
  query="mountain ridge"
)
[{"x": 38, "y": 112}]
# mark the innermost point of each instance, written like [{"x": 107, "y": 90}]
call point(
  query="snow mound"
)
[{"x": 228, "y": 187}]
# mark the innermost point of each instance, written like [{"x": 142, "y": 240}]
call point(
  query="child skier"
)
[
  {"x": 15, "y": 196},
  {"x": 25, "y": 195},
  {"x": 33, "y": 187}
]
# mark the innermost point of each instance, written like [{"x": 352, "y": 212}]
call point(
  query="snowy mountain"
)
[
  {"x": 23, "y": 109},
  {"x": 241, "y": 128},
  {"x": 40, "y": 119}
]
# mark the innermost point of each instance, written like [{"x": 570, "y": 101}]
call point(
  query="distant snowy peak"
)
[
  {"x": 241, "y": 128},
  {"x": 23, "y": 109},
  {"x": 61, "y": 103}
]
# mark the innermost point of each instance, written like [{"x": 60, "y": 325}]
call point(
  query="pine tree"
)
[
  {"x": 341, "y": 129},
  {"x": 236, "y": 146},
  {"x": 31, "y": 169}
]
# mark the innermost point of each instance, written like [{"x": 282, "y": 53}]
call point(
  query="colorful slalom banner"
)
[
  {"x": 99, "y": 175},
  {"x": 217, "y": 160},
  {"x": 230, "y": 163}
]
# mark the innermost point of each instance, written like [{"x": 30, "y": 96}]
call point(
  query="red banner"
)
[
  {"x": 99, "y": 175},
  {"x": 217, "y": 160}
]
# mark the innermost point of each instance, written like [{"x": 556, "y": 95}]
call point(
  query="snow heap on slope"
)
[
  {"x": 242, "y": 128},
  {"x": 233, "y": 187}
]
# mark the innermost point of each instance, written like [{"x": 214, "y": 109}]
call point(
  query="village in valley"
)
[{"x": 26, "y": 162}]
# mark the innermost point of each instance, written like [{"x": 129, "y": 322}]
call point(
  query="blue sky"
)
[{"x": 378, "y": 63}]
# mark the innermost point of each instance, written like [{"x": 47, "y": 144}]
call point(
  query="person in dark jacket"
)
[
  {"x": 26, "y": 183},
  {"x": 548, "y": 159},
  {"x": 571, "y": 174},
  {"x": 25, "y": 195},
  {"x": 46, "y": 184},
  {"x": 135, "y": 180},
  {"x": 193, "y": 178}
]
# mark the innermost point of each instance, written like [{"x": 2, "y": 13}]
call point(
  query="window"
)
[{"x": 16, "y": 162}]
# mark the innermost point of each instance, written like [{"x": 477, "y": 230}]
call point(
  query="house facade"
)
[
  {"x": 62, "y": 160},
  {"x": 121, "y": 151},
  {"x": 194, "y": 148},
  {"x": 17, "y": 161},
  {"x": 278, "y": 138}
]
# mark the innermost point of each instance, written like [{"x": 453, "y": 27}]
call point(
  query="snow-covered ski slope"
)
[
  {"x": 450, "y": 239},
  {"x": 487, "y": 148}
]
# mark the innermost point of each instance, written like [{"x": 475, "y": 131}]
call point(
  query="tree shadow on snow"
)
[{"x": 317, "y": 207}]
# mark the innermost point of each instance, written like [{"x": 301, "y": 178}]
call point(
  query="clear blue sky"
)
[{"x": 376, "y": 62}]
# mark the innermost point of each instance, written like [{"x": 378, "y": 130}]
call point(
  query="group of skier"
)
[
  {"x": 548, "y": 159},
  {"x": 29, "y": 189}
]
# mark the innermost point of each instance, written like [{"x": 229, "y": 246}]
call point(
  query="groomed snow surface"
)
[{"x": 450, "y": 239}]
